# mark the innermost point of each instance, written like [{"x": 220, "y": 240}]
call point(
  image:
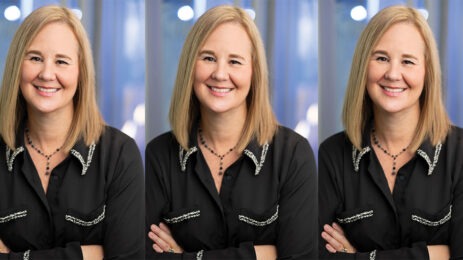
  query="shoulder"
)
[
  {"x": 289, "y": 137},
  {"x": 335, "y": 141},
  {"x": 165, "y": 140},
  {"x": 114, "y": 137}
]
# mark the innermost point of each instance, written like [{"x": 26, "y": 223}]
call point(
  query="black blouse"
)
[
  {"x": 95, "y": 196},
  {"x": 425, "y": 207},
  {"x": 268, "y": 196}
]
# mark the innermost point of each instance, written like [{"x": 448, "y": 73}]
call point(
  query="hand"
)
[
  {"x": 92, "y": 252},
  {"x": 265, "y": 252},
  {"x": 3, "y": 248},
  {"x": 163, "y": 240},
  {"x": 439, "y": 252},
  {"x": 336, "y": 240}
]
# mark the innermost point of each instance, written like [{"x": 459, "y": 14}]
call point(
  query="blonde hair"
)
[
  {"x": 184, "y": 108},
  {"x": 87, "y": 122},
  {"x": 434, "y": 122}
]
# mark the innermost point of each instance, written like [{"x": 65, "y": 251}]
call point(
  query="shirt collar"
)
[
  {"x": 253, "y": 151},
  {"x": 79, "y": 151},
  {"x": 426, "y": 151}
]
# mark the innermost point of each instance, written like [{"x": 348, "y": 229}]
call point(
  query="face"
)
[
  {"x": 223, "y": 70},
  {"x": 396, "y": 70},
  {"x": 50, "y": 70}
]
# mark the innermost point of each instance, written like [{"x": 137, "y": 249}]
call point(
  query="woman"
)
[
  {"x": 391, "y": 184},
  {"x": 228, "y": 182},
  {"x": 70, "y": 187}
]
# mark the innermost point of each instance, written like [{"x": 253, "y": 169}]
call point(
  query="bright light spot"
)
[
  {"x": 312, "y": 114},
  {"x": 12, "y": 13},
  {"x": 129, "y": 128},
  {"x": 139, "y": 114},
  {"x": 78, "y": 13},
  {"x": 424, "y": 12},
  {"x": 251, "y": 13},
  {"x": 358, "y": 13},
  {"x": 185, "y": 13},
  {"x": 303, "y": 129}
]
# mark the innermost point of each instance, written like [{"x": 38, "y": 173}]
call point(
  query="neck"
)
[
  {"x": 222, "y": 131},
  {"x": 395, "y": 131},
  {"x": 48, "y": 132}
]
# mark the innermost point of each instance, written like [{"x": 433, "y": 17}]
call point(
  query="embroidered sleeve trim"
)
[
  {"x": 184, "y": 157},
  {"x": 430, "y": 223},
  {"x": 13, "y": 216},
  {"x": 373, "y": 255},
  {"x": 435, "y": 159},
  {"x": 254, "y": 222},
  {"x": 189, "y": 215},
  {"x": 85, "y": 165},
  {"x": 199, "y": 255},
  {"x": 356, "y": 217},
  {"x": 357, "y": 157},
  {"x": 26, "y": 255},
  {"x": 10, "y": 160},
  {"x": 84, "y": 223},
  {"x": 260, "y": 164}
]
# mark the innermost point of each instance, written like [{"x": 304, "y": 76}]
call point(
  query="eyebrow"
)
[
  {"x": 410, "y": 56},
  {"x": 236, "y": 56},
  {"x": 62, "y": 56}
]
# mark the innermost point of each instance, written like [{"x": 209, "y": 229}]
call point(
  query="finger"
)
[
  {"x": 154, "y": 227},
  {"x": 338, "y": 246},
  {"x": 330, "y": 248},
  {"x": 163, "y": 245},
  {"x": 165, "y": 228},
  {"x": 340, "y": 238},
  {"x": 338, "y": 228},
  {"x": 166, "y": 237},
  {"x": 157, "y": 249}
]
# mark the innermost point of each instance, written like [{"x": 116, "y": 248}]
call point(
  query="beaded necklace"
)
[
  {"x": 393, "y": 156},
  {"x": 47, "y": 156},
  {"x": 220, "y": 156}
]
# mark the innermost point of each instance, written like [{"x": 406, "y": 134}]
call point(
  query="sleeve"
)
[
  {"x": 124, "y": 234},
  {"x": 330, "y": 201},
  {"x": 70, "y": 251},
  {"x": 298, "y": 204},
  {"x": 456, "y": 224},
  {"x": 157, "y": 201}
]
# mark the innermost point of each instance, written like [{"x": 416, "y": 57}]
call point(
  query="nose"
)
[
  {"x": 394, "y": 72},
  {"x": 220, "y": 72},
  {"x": 48, "y": 72}
]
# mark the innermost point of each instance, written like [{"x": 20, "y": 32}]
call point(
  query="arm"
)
[{"x": 124, "y": 234}]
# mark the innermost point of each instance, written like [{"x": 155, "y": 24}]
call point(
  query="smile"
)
[
  {"x": 394, "y": 90},
  {"x": 47, "y": 90},
  {"x": 220, "y": 90}
]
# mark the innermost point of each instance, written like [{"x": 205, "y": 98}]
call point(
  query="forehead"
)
[
  {"x": 231, "y": 36},
  {"x": 403, "y": 36},
  {"x": 55, "y": 37}
]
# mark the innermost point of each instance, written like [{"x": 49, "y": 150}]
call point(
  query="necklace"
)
[
  {"x": 393, "y": 156},
  {"x": 47, "y": 156},
  {"x": 203, "y": 142}
]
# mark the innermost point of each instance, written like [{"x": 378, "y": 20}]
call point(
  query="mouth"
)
[
  {"x": 393, "y": 90},
  {"x": 220, "y": 90},
  {"x": 47, "y": 90}
]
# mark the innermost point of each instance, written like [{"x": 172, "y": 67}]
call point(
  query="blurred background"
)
[{"x": 309, "y": 44}]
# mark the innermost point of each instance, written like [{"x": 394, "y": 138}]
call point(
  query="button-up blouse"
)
[
  {"x": 94, "y": 196},
  {"x": 425, "y": 207},
  {"x": 268, "y": 196}
]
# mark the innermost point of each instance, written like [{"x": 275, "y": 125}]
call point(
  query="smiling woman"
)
[
  {"x": 71, "y": 187},
  {"x": 228, "y": 182}
]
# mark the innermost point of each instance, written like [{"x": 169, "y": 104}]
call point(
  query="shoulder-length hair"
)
[
  {"x": 184, "y": 109},
  {"x": 87, "y": 122},
  {"x": 433, "y": 122}
]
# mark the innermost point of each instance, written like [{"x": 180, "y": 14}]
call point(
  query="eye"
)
[
  {"x": 35, "y": 58},
  {"x": 208, "y": 58},
  {"x": 409, "y": 62},
  {"x": 235, "y": 62},
  {"x": 382, "y": 58},
  {"x": 62, "y": 62}
]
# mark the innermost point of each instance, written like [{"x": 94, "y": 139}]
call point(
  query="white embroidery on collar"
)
[
  {"x": 356, "y": 157},
  {"x": 184, "y": 158},
  {"x": 85, "y": 165},
  {"x": 260, "y": 164},
  {"x": 435, "y": 159},
  {"x": 10, "y": 160}
]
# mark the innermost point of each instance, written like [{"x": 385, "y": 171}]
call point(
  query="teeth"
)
[
  {"x": 48, "y": 90},
  {"x": 221, "y": 90},
  {"x": 394, "y": 90}
]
